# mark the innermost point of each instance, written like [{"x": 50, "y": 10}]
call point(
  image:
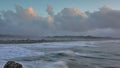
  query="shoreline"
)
[{"x": 21, "y": 41}]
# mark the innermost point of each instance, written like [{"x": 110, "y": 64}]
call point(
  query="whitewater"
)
[{"x": 73, "y": 54}]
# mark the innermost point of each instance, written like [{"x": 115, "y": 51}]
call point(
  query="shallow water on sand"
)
[{"x": 76, "y": 54}]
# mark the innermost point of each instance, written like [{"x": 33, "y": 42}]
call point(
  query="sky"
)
[
  {"x": 40, "y": 5},
  {"x": 60, "y": 17}
]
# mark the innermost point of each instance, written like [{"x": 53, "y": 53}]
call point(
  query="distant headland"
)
[{"x": 13, "y": 39}]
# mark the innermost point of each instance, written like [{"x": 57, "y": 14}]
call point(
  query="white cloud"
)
[{"x": 69, "y": 21}]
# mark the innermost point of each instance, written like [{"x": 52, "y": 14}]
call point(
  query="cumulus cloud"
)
[
  {"x": 23, "y": 22},
  {"x": 105, "y": 18},
  {"x": 69, "y": 21},
  {"x": 50, "y": 10}
]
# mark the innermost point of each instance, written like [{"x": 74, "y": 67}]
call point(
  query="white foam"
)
[
  {"x": 58, "y": 64},
  {"x": 59, "y": 44},
  {"x": 44, "y": 64},
  {"x": 13, "y": 51}
]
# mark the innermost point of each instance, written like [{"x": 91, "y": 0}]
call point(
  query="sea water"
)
[{"x": 74, "y": 54}]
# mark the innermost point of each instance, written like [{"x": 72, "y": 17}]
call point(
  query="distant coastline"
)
[{"x": 8, "y": 39}]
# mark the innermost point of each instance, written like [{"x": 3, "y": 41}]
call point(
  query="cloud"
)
[
  {"x": 105, "y": 9},
  {"x": 31, "y": 12},
  {"x": 104, "y": 18},
  {"x": 69, "y": 21},
  {"x": 23, "y": 22},
  {"x": 26, "y": 13},
  {"x": 104, "y": 32},
  {"x": 50, "y": 10}
]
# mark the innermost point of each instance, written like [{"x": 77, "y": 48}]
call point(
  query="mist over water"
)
[{"x": 76, "y": 54}]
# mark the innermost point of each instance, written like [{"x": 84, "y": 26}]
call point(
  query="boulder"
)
[{"x": 12, "y": 64}]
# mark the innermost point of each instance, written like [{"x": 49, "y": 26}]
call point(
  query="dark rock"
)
[
  {"x": 12, "y": 64},
  {"x": 62, "y": 54}
]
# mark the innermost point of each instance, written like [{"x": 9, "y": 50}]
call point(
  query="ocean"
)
[{"x": 72, "y": 54}]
